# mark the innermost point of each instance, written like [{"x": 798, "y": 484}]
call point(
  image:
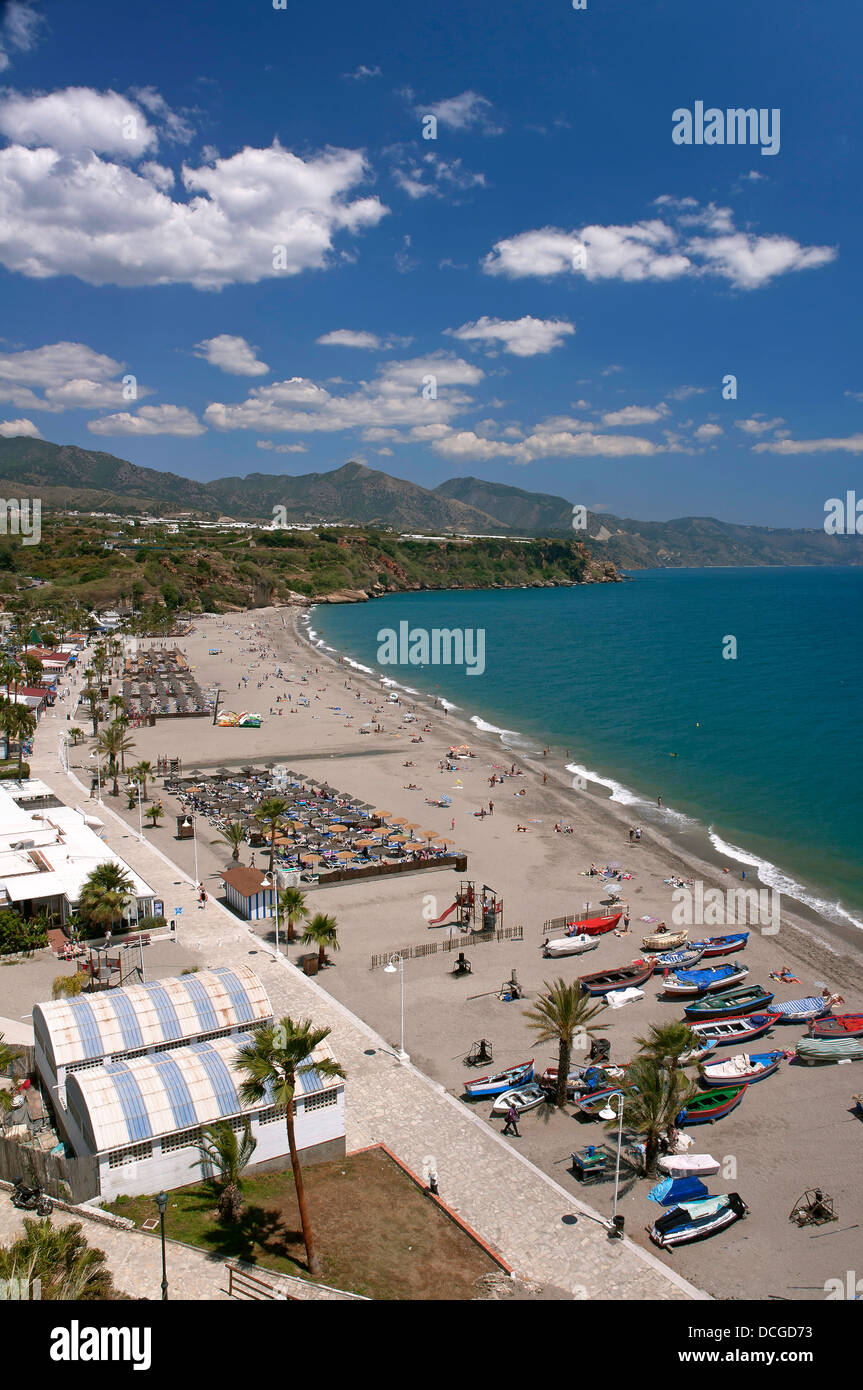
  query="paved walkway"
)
[{"x": 516, "y": 1208}]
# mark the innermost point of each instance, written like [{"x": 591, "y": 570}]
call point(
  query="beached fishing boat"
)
[
  {"x": 722, "y": 945},
  {"x": 570, "y": 945},
  {"x": 581, "y": 1080},
  {"x": 592, "y": 926},
  {"x": 746, "y": 1066},
  {"x": 703, "y": 981},
  {"x": 521, "y": 1098},
  {"x": 837, "y": 1026},
  {"x": 802, "y": 1010},
  {"x": 591, "y": 1104},
  {"x": 742, "y": 1028},
  {"x": 695, "y": 1220},
  {"x": 812, "y": 1050},
  {"x": 500, "y": 1081},
  {"x": 664, "y": 941},
  {"x": 685, "y": 959},
  {"x": 712, "y": 1105},
  {"x": 688, "y": 1165},
  {"x": 743, "y": 1000},
  {"x": 625, "y": 977}
]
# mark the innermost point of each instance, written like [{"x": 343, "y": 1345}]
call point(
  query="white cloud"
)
[
  {"x": 10, "y": 429},
  {"x": 524, "y": 337},
  {"x": 173, "y": 126},
  {"x": 77, "y": 120},
  {"x": 19, "y": 30},
  {"x": 708, "y": 431},
  {"x": 852, "y": 444},
  {"x": 347, "y": 337},
  {"x": 656, "y": 250},
  {"x": 72, "y": 376},
  {"x": 232, "y": 354},
  {"x": 635, "y": 415},
  {"x": 392, "y": 399},
  {"x": 65, "y": 210},
  {"x": 150, "y": 419},
  {"x": 162, "y": 177},
  {"x": 298, "y": 448},
  {"x": 758, "y": 424},
  {"x": 431, "y": 174},
  {"x": 362, "y": 72},
  {"x": 464, "y": 112},
  {"x": 545, "y": 443}
]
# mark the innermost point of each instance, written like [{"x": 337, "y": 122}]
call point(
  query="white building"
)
[{"x": 136, "y": 1074}]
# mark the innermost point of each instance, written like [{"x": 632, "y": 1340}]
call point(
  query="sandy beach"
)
[{"x": 794, "y": 1130}]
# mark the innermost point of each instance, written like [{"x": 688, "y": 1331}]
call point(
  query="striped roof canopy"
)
[
  {"x": 115, "y": 1021},
  {"x": 130, "y": 1102}
]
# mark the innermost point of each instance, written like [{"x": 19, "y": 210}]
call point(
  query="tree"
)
[
  {"x": 667, "y": 1043},
  {"x": 7, "y": 1055},
  {"x": 115, "y": 743},
  {"x": 10, "y": 676},
  {"x": 560, "y": 1013},
  {"x": 293, "y": 904},
  {"x": 66, "y": 986},
  {"x": 233, "y": 834},
  {"x": 76, "y": 736},
  {"x": 91, "y": 694},
  {"x": 270, "y": 813},
  {"x": 105, "y": 895},
  {"x": 60, "y": 1258},
  {"x": 322, "y": 931},
  {"x": 18, "y": 722},
  {"x": 653, "y": 1099},
  {"x": 155, "y": 813},
  {"x": 33, "y": 667},
  {"x": 229, "y": 1153},
  {"x": 141, "y": 771},
  {"x": 277, "y": 1056}
]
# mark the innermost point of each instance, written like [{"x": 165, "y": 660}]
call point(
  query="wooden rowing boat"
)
[
  {"x": 627, "y": 976},
  {"x": 695, "y": 1220},
  {"x": 704, "y": 981},
  {"x": 837, "y": 1026},
  {"x": 685, "y": 959},
  {"x": 664, "y": 941},
  {"x": 570, "y": 945},
  {"x": 803, "y": 1010},
  {"x": 746, "y": 1066},
  {"x": 500, "y": 1081},
  {"x": 723, "y": 945},
  {"x": 522, "y": 1098},
  {"x": 743, "y": 1028},
  {"x": 593, "y": 926},
  {"x": 812, "y": 1050},
  {"x": 743, "y": 1000},
  {"x": 712, "y": 1105}
]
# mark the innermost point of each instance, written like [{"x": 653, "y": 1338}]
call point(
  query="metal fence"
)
[{"x": 449, "y": 943}]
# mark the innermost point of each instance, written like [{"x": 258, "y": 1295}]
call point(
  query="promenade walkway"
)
[{"x": 521, "y": 1212}]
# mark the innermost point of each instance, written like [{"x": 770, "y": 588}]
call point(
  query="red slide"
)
[{"x": 438, "y": 921}]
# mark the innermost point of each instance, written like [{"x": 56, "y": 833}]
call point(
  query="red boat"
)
[
  {"x": 592, "y": 926},
  {"x": 837, "y": 1026}
]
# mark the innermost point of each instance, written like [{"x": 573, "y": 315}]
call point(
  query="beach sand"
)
[{"x": 793, "y": 1130}]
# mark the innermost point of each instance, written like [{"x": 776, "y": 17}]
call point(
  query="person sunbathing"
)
[{"x": 785, "y": 976}]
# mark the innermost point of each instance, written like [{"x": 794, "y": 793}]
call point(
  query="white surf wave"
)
[{"x": 772, "y": 876}]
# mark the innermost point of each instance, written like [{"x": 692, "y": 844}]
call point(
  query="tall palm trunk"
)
[
  {"x": 308, "y": 1236},
  {"x": 564, "y": 1053},
  {"x": 290, "y": 928},
  {"x": 272, "y": 848}
]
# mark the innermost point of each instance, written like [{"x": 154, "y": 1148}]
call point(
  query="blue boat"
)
[
  {"x": 500, "y": 1082},
  {"x": 703, "y": 981},
  {"x": 695, "y": 1220},
  {"x": 672, "y": 1191},
  {"x": 747, "y": 1066},
  {"x": 683, "y": 959},
  {"x": 722, "y": 945},
  {"x": 802, "y": 1010}
]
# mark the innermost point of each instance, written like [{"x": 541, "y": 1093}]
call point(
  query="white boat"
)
[
  {"x": 688, "y": 1165},
  {"x": 570, "y": 945},
  {"x": 521, "y": 1098}
]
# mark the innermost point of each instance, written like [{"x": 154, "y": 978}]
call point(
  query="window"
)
[
  {"x": 270, "y": 1117},
  {"x": 133, "y": 1154},
  {"x": 186, "y": 1139},
  {"x": 317, "y": 1102}
]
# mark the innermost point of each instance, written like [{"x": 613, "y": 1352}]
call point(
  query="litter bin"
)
[
  {"x": 461, "y": 864},
  {"x": 310, "y": 965}
]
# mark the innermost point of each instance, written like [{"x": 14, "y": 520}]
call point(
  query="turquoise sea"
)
[{"x": 763, "y": 750}]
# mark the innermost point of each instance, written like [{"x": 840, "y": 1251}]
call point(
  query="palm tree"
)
[
  {"x": 270, "y": 813},
  {"x": 560, "y": 1013},
  {"x": 233, "y": 834},
  {"x": 155, "y": 813},
  {"x": 61, "y": 1260},
  {"x": 10, "y": 676},
  {"x": 322, "y": 931},
  {"x": 141, "y": 771},
  {"x": 293, "y": 904},
  {"x": 666, "y": 1043},
  {"x": 654, "y": 1097},
  {"x": 7, "y": 1056},
  {"x": 91, "y": 695},
  {"x": 115, "y": 742},
  {"x": 76, "y": 736},
  {"x": 278, "y": 1055},
  {"x": 105, "y": 894},
  {"x": 33, "y": 667},
  {"x": 229, "y": 1153},
  {"x": 19, "y": 722}
]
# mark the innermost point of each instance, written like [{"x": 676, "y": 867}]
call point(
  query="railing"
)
[
  {"x": 450, "y": 943},
  {"x": 244, "y": 1285}
]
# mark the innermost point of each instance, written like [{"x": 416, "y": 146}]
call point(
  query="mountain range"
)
[{"x": 66, "y": 477}]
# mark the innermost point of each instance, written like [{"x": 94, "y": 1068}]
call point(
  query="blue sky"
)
[{"x": 575, "y": 283}]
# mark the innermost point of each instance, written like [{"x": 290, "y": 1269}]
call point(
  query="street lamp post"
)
[
  {"x": 608, "y": 1113},
  {"x": 162, "y": 1204},
  {"x": 268, "y": 882},
  {"x": 137, "y": 786},
  {"x": 192, "y": 821},
  {"x": 396, "y": 963},
  {"x": 98, "y": 776}
]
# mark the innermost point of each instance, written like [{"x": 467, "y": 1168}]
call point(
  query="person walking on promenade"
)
[{"x": 512, "y": 1122}]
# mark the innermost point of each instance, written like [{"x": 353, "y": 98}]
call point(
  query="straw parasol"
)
[
  {"x": 398, "y": 839},
  {"x": 411, "y": 825},
  {"x": 311, "y": 858},
  {"x": 398, "y": 820}
]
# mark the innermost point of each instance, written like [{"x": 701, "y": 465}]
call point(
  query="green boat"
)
[
  {"x": 712, "y": 1105},
  {"x": 812, "y": 1050},
  {"x": 744, "y": 1000}
]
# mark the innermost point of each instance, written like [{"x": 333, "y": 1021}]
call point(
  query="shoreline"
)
[{"x": 692, "y": 843}]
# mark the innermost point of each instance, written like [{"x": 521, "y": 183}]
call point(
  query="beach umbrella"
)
[
  {"x": 344, "y": 854},
  {"x": 398, "y": 839},
  {"x": 442, "y": 840},
  {"x": 412, "y": 825},
  {"x": 385, "y": 815},
  {"x": 415, "y": 844},
  {"x": 429, "y": 834},
  {"x": 311, "y": 858},
  {"x": 338, "y": 826},
  {"x": 398, "y": 820}
]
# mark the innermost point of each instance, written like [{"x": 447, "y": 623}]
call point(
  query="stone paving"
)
[{"x": 519, "y": 1211}]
